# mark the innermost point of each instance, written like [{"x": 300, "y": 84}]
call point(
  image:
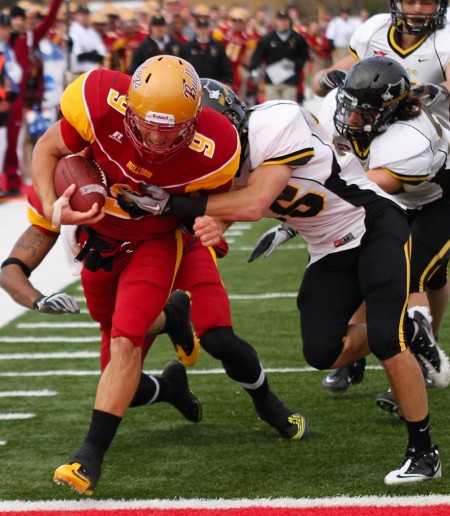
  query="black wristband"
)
[
  {"x": 36, "y": 302},
  {"x": 15, "y": 261},
  {"x": 187, "y": 206}
]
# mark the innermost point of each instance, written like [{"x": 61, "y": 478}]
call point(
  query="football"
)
[{"x": 88, "y": 177}]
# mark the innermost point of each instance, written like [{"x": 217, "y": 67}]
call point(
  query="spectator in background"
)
[
  {"x": 132, "y": 36},
  {"x": 283, "y": 54},
  {"x": 320, "y": 47},
  {"x": 88, "y": 50},
  {"x": 207, "y": 55},
  {"x": 339, "y": 31},
  {"x": 24, "y": 42},
  {"x": 238, "y": 45},
  {"x": 176, "y": 29},
  {"x": 159, "y": 41},
  {"x": 10, "y": 77}
]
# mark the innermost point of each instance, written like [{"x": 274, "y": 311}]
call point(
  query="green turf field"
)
[{"x": 231, "y": 453}]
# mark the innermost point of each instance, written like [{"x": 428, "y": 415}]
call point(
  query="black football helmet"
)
[
  {"x": 222, "y": 99},
  {"x": 419, "y": 25},
  {"x": 367, "y": 101}
]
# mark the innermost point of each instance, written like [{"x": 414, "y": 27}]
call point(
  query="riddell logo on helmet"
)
[{"x": 159, "y": 118}]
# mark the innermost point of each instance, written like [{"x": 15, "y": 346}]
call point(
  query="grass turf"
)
[{"x": 231, "y": 453}]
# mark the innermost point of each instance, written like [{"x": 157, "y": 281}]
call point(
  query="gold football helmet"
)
[{"x": 164, "y": 95}]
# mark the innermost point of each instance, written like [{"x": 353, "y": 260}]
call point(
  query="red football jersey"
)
[{"x": 94, "y": 107}]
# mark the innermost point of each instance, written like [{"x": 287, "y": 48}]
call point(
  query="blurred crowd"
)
[{"x": 260, "y": 55}]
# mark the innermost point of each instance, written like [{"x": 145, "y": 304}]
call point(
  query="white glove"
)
[
  {"x": 271, "y": 239},
  {"x": 431, "y": 94},
  {"x": 56, "y": 304},
  {"x": 154, "y": 201}
]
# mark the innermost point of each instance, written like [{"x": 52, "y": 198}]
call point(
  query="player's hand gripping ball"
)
[{"x": 88, "y": 177}]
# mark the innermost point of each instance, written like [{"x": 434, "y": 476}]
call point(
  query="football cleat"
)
[
  {"x": 339, "y": 379},
  {"x": 386, "y": 402},
  {"x": 179, "y": 394},
  {"x": 77, "y": 477},
  {"x": 417, "y": 466},
  {"x": 424, "y": 346},
  {"x": 184, "y": 339},
  {"x": 289, "y": 424}
]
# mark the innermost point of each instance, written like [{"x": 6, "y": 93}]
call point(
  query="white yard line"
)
[
  {"x": 49, "y": 356},
  {"x": 198, "y": 504},
  {"x": 199, "y": 372},
  {"x": 27, "y": 394},
  {"x": 53, "y": 325},
  {"x": 12, "y": 416},
  {"x": 60, "y": 339}
]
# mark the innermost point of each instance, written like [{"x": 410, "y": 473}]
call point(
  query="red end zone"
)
[{"x": 381, "y": 506}]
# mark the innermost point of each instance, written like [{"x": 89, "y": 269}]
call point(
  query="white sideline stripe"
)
[
  {"x": 242, "y": 297},
  {"x": 284, "y": 247},
  {"x": 34, "y": 325},
  {"x": 27, "y": 394},
  {"x": 199, "y": 372},
  {"x": 60, "y": 339},
  {"x": 267, "y": 295},
  {"x": 221, "y": 503},
  {"x": 46, "y": 356},
  {"x": 18, "y": 415}
]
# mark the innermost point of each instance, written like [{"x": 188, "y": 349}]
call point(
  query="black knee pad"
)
[
  {"x": 322, "y": 357},
  {"x": 238, "y": 357}
]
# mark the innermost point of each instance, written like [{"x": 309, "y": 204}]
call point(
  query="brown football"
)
[{"x": 86, "y": 175}]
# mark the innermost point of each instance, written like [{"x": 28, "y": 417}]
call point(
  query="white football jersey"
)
[
  {"x": 415, "y": 163},
  {"x": 426, "y": 61},
  {"x": 326, "y": 197}
]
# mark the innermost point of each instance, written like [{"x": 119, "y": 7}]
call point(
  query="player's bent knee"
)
[
  {"x": 321, "y": 355},
  {"x": 218, "y": 341},
  {"x": 384, "y": 344}
]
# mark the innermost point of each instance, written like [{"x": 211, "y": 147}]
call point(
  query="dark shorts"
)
[
  {"x": 335, "y": 286},
  {"x": 430, "y": 231}
]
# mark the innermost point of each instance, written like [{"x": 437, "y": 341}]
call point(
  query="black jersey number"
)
[{"x": 289, "y": 204}]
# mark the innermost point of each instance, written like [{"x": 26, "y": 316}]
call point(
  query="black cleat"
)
[
  {"x": 179, "y": 394},
  {"x": 424, "y": 346},
  {"x": 417, "y": 466},
  {"x": 184, "y": 339},
  {"x": 386, "y": 402},
  {"x": 340, "y": 379},
  {"x": 289, "y": 424}
]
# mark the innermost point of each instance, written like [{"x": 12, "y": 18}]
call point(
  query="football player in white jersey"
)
[
  {"x": 415, "y": 172},
  {"x": 416, "y": 35},
  {"x": 291, "y": 172}
]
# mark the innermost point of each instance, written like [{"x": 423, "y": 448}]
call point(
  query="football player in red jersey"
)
[{"x": 148, "y": 128}]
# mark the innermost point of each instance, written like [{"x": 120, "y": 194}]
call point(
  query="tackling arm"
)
[
  {"x": 384, "y": 180},
  {"x": 344, "y": 64},
  {"x": 27, "y": 253}
]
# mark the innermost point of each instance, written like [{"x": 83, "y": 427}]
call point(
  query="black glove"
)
[
  {"x": 332, "y": 80},
  {"x": 431, "y": 94},
  {"x": 154, "y": 201},
  {"x": 270, "y": 240},
  {"x": 56, "y": 304}
]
